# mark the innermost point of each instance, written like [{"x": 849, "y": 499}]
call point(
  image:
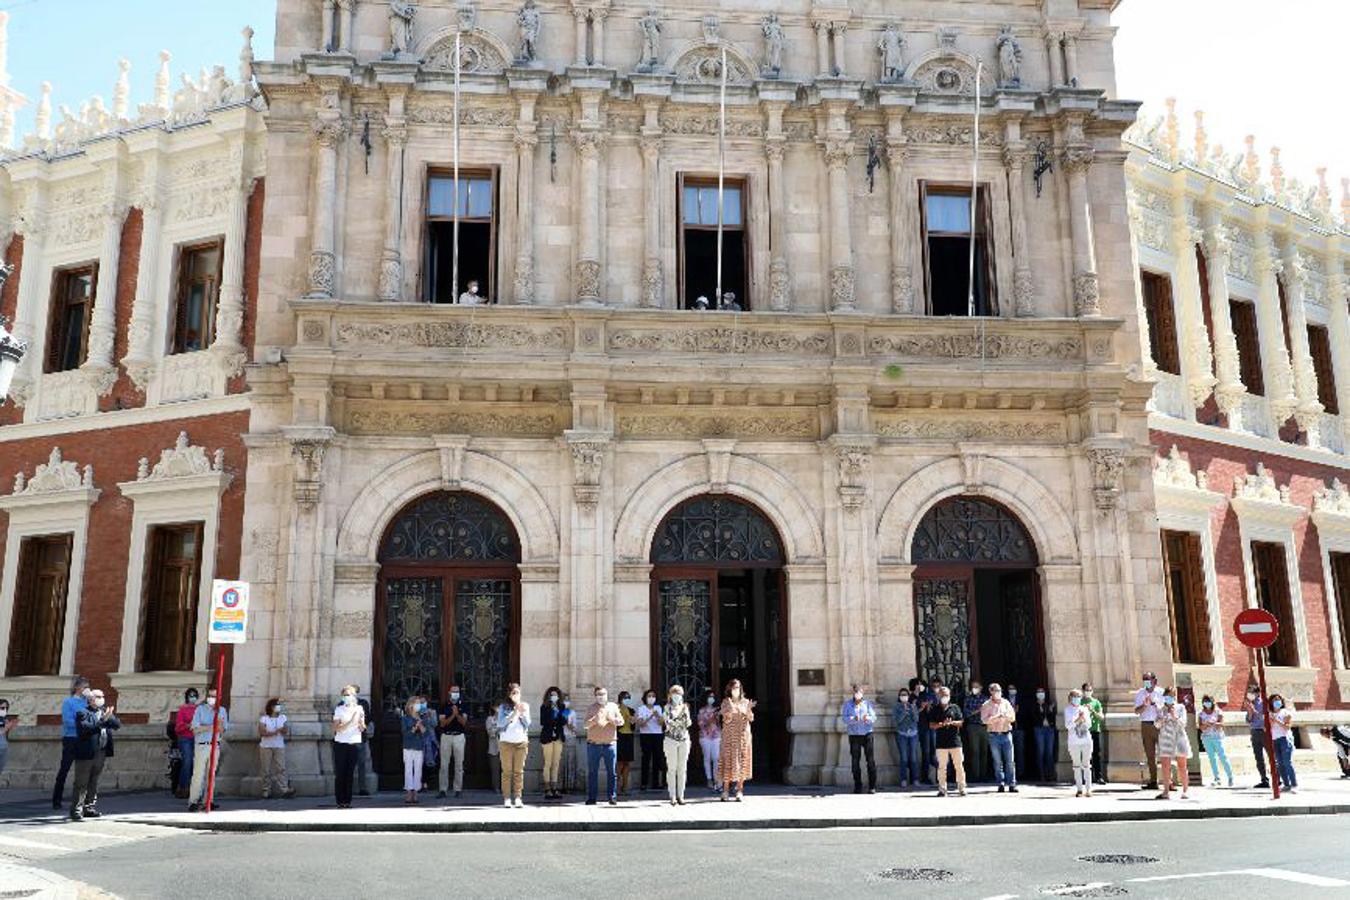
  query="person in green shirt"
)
[{"x": 1098, "y": 734}]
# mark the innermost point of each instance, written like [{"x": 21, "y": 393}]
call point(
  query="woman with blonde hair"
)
[
  {"x": 513, "y": 739},
  {"x": 1173, "y": 744},
  {"x": 677, "y": 721},
  {"x": 414, "y": 744},
  {"x": 735, "y": 763}
]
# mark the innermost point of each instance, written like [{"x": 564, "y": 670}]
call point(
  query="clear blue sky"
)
[{"x": 75, "y": 44}]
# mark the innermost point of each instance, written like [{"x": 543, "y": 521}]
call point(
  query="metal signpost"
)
[
  {"x": 228, "y": 624},
  {"x": 1258, "y": 629}
]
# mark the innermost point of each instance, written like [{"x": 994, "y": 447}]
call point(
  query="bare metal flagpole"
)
[
  {"x": 454, "y": 217},
  {"x": 974, "y": 193},
  {"x": 721, "y": 166}
]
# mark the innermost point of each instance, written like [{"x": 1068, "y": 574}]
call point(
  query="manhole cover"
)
[
  {"x": 1085, "y": 890},
  {"x": 915, "y": 874},
  {"x": 1119, "y": 859}
]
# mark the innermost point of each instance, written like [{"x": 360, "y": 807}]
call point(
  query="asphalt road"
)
[{"x": 1307, "y": 855}]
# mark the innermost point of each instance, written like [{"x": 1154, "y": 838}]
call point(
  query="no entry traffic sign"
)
[{"x": 1256, "y": 628}]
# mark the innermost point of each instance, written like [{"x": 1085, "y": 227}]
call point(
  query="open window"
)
[
  {"x": 198, "y": 292},
  {"x": 1319, "y": 346},
  {"x": 1156, "y": 291},
  {"x": 39, "y": 619},
  {"x": 172, "y": 583},
  {"x": 1187, "y": 606},
  {"x": 698, "y": 242},
  {"x": 945, "y": 214},
  {"x": 1243, "y": 315},
  {"x": 477, "y": 199},
  {"x": 72, "y": 309}
]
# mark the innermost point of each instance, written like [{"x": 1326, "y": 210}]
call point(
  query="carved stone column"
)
[
  {"x": 598, "y": 36},
  {"x": 1274, "y": 349},
  {"x": 1308, "y": 414},
  {"x": 326, "y": 43},
  {"x": 1197, "y": 358},
  {"x": 31, "y": 225},
  {"x": 526, "y": 140},
  {"x": 1077, "y": 161},
  {"x": 856, "y": 554},
  {"x": 139, "y": 361},
  {"x": 344, "y": 39},
  {"x": 837, "y": 31},
  {"x": 329, "y": 129},
  {"x": 1015, "y": 156},
  {"x": 1229, "y": 391},
  {"x": 103, "y": 322},
  {"x": 653, "y": 279},
  {"x": 587, "y": 275},
  {"x": 823, "y": 47},
  {"x": 391, "y": 259},
  {"x": 580, "y": 15},
  {"x": 230, "y": 307},
  {"x": 1071, "y": 60},
  {"x": 1338, "y": 326},
  {"x": 902, "y": 209},
  {"x": 1052, "y": 50},
  {"x": 300, "y": 614},
  {"x": 837, "y": 152}
]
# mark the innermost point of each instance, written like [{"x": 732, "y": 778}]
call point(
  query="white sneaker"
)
[
  {"x": 520, "y": 804},
  {"x": 507, "y": 803}
]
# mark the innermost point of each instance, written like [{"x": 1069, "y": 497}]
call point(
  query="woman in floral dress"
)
[
  {"x": 734, "y": 764},
  {"x": 1173, "y": 744}
]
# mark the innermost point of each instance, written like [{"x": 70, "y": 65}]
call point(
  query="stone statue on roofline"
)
[
  {"x": 891, "y": 46},
  {"x": 773, "y": 45},
  {"x": 1009, "y": 59},
  {"x": 529, "y": 22},
  {"x": 401, "y": 14},
  {"x": 650, "y": 26}
]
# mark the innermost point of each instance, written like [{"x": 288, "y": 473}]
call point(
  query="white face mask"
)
[
  {"x": 454, "y": 695},
  {"x": 651, "y": 701},
  {"x": 280, "y": 709},
  {"x": 552, "y": 698},
  {"x": 736, "y": 694},
  {"x": 712, "y": 701},
  {"x": 99, "y": 701},
  {"x": 348, "y": 699},
  {"x": 677, "y": 699},
  {"x": 210, "y": 701},
  {"x": 1040, "y": 695},
  {"x": 567, "y": 704},
  {"x": 857, "y": 696}
]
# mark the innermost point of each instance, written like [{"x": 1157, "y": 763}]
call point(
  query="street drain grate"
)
[
  {"x": 1118, "y": 859},
  {"x": 913, "y": 874},
  {"x": 1085, "y": 890},
  {"x": 16, "y": 895}
]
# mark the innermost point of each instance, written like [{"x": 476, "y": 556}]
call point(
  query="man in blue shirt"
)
[
  {"x": 204, "y": 721},
  {"x": 71, "y": 707},
  {"x": 1253, "y": 708},
  {"x": 859, "y": 716}
]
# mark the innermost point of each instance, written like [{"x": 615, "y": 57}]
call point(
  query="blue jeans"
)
[
  {"x": 1001, "y": 749},
  {"x": 907, "y": 752},
  {"x": 1045, "y": 752},
  {"x": 185, "y": 770},
  {"x": 1213, "y": 745},
  {"x": 595, "y": 754},
  {"x": 1284, "y": 762},
  {"x": 1019, "y": 742}
]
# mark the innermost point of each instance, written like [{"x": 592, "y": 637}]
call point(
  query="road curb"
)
[{"x": 205, "y": 823}]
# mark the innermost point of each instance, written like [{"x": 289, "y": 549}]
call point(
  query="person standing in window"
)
[
  {"x": 1044, "y": 724},
  {"x": 204, "y": 722},
  {"x": 450, "y": 722},
  {"x": 676, "y": 721},
  {"x": 182, "y": 729},
  {"x": 272, "y": 734},
  {"x": 93, "y": 745},
  {"x": 551, "y": 724},
  {"x": 414, "y": 747},
  {"x": 975, "y": 743},
  {"x": 1148, "y": 701},
  {"x": 1282, "y": 730},
  {"x": 349, "y": 725},
  {"x": 859, "y": 717},
  {"x": 1078, "y": 725},
  {"x": 1098, "y": 736},
  {"x": 944, "y": 719},
  {"x": 513, "y": 725},
  {"x": 471, "y": 297},
  {"x": 1173, "y": 743},
  {"x": 627, "y": 740},
  {"x": 71, "y": 707},
  {"x": 736, "y": 762},
  {"x": 905, "y": 714},
  {"x": 998, "y": 716},
  {"x": 602, "y": 724},
  {"x": 649, "y": 739},
  {"x": 710, "y": 737},
  {"x": 1210, "y": 718},
  {"x": 1254, "y": 709}
]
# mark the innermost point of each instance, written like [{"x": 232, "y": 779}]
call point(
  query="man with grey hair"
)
[
  {"x": 859, "y": 717},
  {"x": 945, "y": 721},
  {"x": 71, "y": 708},
  {"x": 998, "y": 716}
]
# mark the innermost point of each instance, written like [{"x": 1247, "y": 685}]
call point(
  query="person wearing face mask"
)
[
  {"x": 998, "y": 717},
  {"x": 945, "y": 722},
  {"x": 1098, "y": 737},
  {"x": 1148, "y": 701},
  {"x": 93, "y": 745},
  {"x": 1044, "y": 728},
  {"x": 1078, "y": 725},
  {"x": 905, "y": 715},
  {"x": 573, "y": 758},
  {"x": 975, "y": 744},
  {"x": 859, "y": 717},
  {"x": 7, "y": 724},
  {"x": 1210, "y": 719},
  {"x": 627, "y": 740},
  {"x": 1173, "y": 743},
  {"x": 677, "y": 721},
  {"x": 364, "y": 771},
  {"x": 349, "y": 724},
  {"x": 1282, "y": 731},
  {"x": 928, "y": 707},
  {"x": 272, "y": 734},
  {"x": 71, "y": 707},
  {"x": 1254, "y": 709},
  {"x": 1339, "y": 735},
  {"x": 413, "y": 730},
  {"x": 735, "y": 765},
  {"x": 204, "y": 721},
  {"x": 551, "y": 724},
  {"x": 602, "y": 726},
  {"x": 649, "y": 730},
  {"x": 513, "y": 724},
  {"x": 451, "y": 720},
  {"x": 710, "y": 737},
  {"x": 182, "y": 729},
  {"x": 1019, "y": 733}
]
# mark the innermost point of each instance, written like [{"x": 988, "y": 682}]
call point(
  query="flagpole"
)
[
  {"x": 454, "y": 217},
  {"x": 721, "y": 167},
  {"x": 974, "y": 194}
]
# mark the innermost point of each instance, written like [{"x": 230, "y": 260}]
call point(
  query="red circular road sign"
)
[{"x": 1256, "y": 628}]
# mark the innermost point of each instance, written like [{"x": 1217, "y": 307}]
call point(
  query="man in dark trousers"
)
[
  {"x": 859, "y": 717},
  {"x": 93, "y": 745},
  {"x": 70, "y": 708}
]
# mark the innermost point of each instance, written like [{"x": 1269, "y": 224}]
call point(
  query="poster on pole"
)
[{"x": 228, "y": 623}]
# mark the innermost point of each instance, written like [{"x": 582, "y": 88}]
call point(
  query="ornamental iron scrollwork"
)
[
  {"x": 482, "y": 640},
  {"x": 716, "y": 529},
  {"x": 1022, "y": 647},
  {"x": 971, "y": 530},
  {"x": 413, "y": 613},
  {"x": 685, "y": 634},
  {"x": 942, "y": 619},
  {"x": 451, "y": 527}
]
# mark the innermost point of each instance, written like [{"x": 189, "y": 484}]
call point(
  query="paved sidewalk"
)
[{"x": 763, "y": 807}]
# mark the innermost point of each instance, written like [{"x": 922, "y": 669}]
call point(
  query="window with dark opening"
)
[
  {"x": 172, "y": 581},
  {"x": 1187, "y": 606},
  {"x": 1248, "y": 338},
  {"x": 1162, "y": 326},
  {"x": 1319, "y": 345},
  {"x": 698, "y": 243},
  {"x": 947, "y": 238},
  {"x": 72, "y": 307},
  {"x": 477, "y": 236},
  {"x": 1271, "y": 577},
  {"x": 1340, "y": 575},
  {"x": 198, "y": 292},
  {"x": 39, "y": 621}
]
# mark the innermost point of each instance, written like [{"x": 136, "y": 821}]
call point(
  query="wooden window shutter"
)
[
  {"x": 1197, "y": 601},
  {"x": 1249, "y": 346},
  {"x": 1319, "y": 346}
]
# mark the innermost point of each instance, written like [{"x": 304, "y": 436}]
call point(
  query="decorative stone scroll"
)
[
  {"x": 721, "y": 340},
  {"x": 788, "y": 424},
  {"x": 54, "y": 476},
  {"x": 1260, "y": 485},
  {"x": 1334, "y": 500},
  {"x": 1174, "y": 470},
  {"x": 182, "y": 460},
  {"x": 1108, "y": 468},
  {"x": 969, "y": 345},
  {"x": 378, "y": 419},
  {"x": 455, "y": 335},
  {"x": 967, "y": 428}
]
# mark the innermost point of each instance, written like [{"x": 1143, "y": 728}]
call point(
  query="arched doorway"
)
[
  {"x": 719, "y": 611},
  {"x": 976, "y": 596},
  {"x": 448, "y": 612}
]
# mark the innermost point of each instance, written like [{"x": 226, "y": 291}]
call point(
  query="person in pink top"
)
[
  {"x": 710, "y": 737},
  {"x": 182, "y": 730}
]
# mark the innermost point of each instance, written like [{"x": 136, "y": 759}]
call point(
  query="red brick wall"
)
[
  {"x": 114, "y": 453},
  {"x": 9, "y": 302},
  {"x": 124, "y": 394},
  {"x": 1224, "y": 463}
]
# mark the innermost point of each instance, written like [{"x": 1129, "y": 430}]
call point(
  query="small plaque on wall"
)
[{"x": 810, "y": 678}]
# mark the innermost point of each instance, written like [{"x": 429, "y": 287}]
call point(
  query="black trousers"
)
[
  {"x": 858, "y": 744},
  {"x": 1258, "y": 739},
  {"x": 67, "y": 759},
  {"x": 653, "y": 760},
  {"x": 344, "y": 766},
  {"x": 1098, "y": 756}
]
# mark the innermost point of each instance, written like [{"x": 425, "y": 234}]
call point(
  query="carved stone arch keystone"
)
[
  {"x": 700, "y": 62},
  {"x": 482, "y": 52}
]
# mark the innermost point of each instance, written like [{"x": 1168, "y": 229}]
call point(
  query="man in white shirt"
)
[
  {"x": 1147, "y": 701},
  {"x": 349, "y": 724},
  {"x": 648, "y": 720}
]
